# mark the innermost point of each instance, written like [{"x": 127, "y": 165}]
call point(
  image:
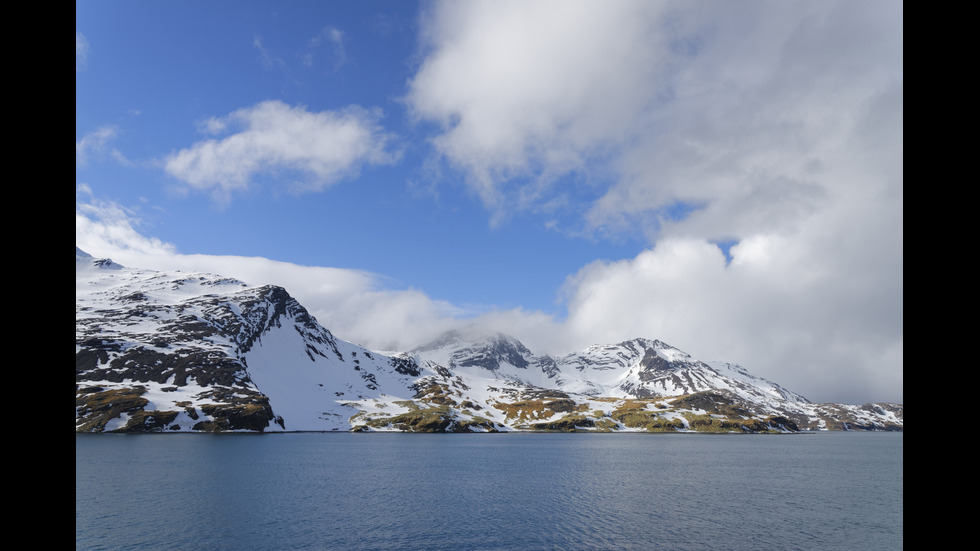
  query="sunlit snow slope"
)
[{"x": 176, "y": 351}]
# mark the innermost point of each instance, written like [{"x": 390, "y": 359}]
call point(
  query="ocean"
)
[{"x": 508, "y": 491}]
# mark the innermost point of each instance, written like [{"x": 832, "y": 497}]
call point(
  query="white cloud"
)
[
  {"x": 831, "y": 332},
  {"x": 729, "y": 106},
  {"x": 334, "y": 37},
  {"x": 81, "y": 52},
  {"x": 109, "y": 227},
  {"x": 96, "y": 145},
  {"x": 353, "y": 304},
  {"x": 319, "y": 148},
  {"x": 765, "y": 119},
  {"x": 269, "y": 61},
  {"x": 525, "y": 88},
  {"x": 774, "y": 309},
  {"x": 776, "y": 125}
]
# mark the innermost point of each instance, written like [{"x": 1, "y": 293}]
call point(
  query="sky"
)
[{"x": 726, "y": 177}]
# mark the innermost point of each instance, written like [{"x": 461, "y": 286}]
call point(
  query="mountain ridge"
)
[{"x": 179, "y": 351}]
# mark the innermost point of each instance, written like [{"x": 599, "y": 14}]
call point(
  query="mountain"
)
[{"x": 179, "y": 351}]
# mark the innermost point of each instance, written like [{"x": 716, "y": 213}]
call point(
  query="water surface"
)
[{"x": 489, "y": 491}]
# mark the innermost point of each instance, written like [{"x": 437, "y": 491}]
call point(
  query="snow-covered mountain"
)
[{"x": 179, "y": 351}]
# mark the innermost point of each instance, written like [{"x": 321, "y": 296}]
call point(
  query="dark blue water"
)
[{"x": 489, "y": 491}]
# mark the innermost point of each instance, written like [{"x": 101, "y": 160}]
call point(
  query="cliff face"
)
[
  {"x": 153, "y": 352},
  {"x": 178, "y": 351}
]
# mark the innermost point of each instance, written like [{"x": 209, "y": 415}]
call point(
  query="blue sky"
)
[
  {"x": 154, "y": 73},
  {"x": 564, "y": 171}
]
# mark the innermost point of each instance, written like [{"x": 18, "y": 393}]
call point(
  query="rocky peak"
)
[
  {"x": 186, "y": 351},
  {"x": 492, "y": 353}
]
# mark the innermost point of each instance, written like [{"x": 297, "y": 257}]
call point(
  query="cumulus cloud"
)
[
  {"x": 763, "y": 119},
  {"x": 524, "y": 88},
  {"x": 773, "y": 126},
  {"x": 830, "y": 338},
  {"x": 318, "y": 148},
  {"x": 828, "y": 331},
  {"x": 726, "y": 106}
]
